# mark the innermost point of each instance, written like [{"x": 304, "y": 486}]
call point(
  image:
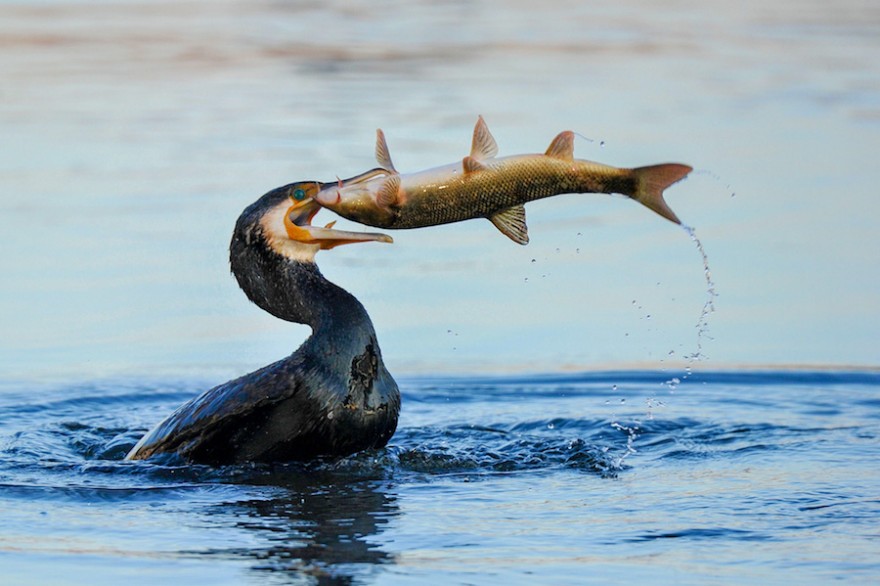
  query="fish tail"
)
[{"x": 652, "y": 180}]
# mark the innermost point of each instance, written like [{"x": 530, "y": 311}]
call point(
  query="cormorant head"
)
[
  {"x": 282, "y": 221},
  {"x": 273, "y": 249}
]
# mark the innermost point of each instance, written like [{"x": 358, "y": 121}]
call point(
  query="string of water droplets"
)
[
  {"x": 588, "y": 139},
  {"x": 708, "y": 309},
  {"x": 631, "y": 431},
  {"x": 702, "y": 327}
]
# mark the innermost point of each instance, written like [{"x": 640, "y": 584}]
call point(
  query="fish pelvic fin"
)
[
  {"x": 471, "y": 164},
  {"x": 383, "y": 157},
  {"x": 652, "y": 180},
  {"x": 389, "y": 193},
  {"x": 562, "y": 146},
  {"x": 483, "y": 145},
  {"x": 512, "y": 223}
]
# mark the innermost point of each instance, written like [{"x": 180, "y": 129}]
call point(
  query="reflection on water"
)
[
  {"x": 487, "y": 479},
  {"x": 134, "y": 134},
  {"x": 558, "y": 476},
  {"x": 323, "y": 527}
]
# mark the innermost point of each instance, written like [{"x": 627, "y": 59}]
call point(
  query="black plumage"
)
[{"x": 332, "y": 397}]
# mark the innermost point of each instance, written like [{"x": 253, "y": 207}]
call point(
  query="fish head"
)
[
  {"x": 357, "y": 198},
  {"x": 298, "y": 222}
]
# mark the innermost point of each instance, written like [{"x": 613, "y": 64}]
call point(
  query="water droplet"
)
[
  {"x": 613, "y": 387},
  {"x": 622, "y": 401},
  {"x": 330, "y": 415},
  {"x": 577, "y": 250},
  {"x": 601, "y": 143},
  {"x": 702, "y": 325},
  {"x": 526, "y": 279},
  {"x": 550, "y": 425},
  {"x": 533, "y": 260}
]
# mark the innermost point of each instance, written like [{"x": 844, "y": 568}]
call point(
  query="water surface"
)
[
  {"x": 566, "y": 479},
  {"x": 134, "y": 133}
]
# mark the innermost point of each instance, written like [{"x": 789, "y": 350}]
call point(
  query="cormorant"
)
[{"x": 332, "y": 397}]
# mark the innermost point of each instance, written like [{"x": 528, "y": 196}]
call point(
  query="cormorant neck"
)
[{"x": 295, "y": 290}]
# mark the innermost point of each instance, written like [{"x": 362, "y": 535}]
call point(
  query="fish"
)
[{"x": 483, "y": 185}]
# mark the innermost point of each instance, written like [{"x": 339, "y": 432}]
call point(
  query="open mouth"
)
[{"x": 298, "y": 223}]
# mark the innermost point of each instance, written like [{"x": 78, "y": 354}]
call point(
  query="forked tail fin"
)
[{"x": 652, "y": 180}]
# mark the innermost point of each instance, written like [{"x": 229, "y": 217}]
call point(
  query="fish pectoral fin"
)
[
  {"x": 512, "y": 223},
  {"x": 389, "y": 193},
  {"x": 470, "y": 165},
  {"x": 562, "y": 146},
  {"x": 483, "y": 145},
  {"x": 383, "y": 157}
]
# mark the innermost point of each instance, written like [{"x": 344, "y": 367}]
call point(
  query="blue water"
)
[
  {"x": 133, "y": 133},
  {"x": 719, "y": 478}
]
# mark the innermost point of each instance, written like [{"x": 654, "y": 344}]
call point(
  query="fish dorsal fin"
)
[
  {"x": 562, "y": 146},
  {"x": 471, "y": 164},
  {"x": 383, "y": 157},
  {"x": 389, "y": 193},
  {"x": 512, "y": 223},
  {"x": 483, "y": 146}
]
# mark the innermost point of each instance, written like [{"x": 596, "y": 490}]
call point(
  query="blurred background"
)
[{"x": 134, "y": 133}]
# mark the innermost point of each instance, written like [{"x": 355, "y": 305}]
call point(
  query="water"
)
[
  {"x": 566, "y": 479},
  {"x": 134, "y": 133}
]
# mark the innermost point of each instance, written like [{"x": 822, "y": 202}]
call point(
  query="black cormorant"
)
[{"x": 332, "y": 397}]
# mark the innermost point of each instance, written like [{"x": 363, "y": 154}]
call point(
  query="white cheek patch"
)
[{"x": 278, "y": 240}]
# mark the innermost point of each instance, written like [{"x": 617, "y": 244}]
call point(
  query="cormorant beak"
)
[{"x": 298, "y": 220}]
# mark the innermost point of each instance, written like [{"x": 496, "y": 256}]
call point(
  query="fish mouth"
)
[
  {"x": 298, "y": 223},
  {"x": 330, "y": 194}
]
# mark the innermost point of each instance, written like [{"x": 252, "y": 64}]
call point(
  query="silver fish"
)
[{"x": 485, "y": 186}]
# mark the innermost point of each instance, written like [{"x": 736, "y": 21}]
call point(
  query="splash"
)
[
  {"x": 716, "y": 177},
  {"x": 632, "y": 433},
  {"x": 702, "y": 327},
  {"x": 588, "y": 139},
  {"x": 708, "y": 309}
]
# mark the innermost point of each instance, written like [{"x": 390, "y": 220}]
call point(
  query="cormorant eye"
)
[{"x": 299, "y": 194}]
